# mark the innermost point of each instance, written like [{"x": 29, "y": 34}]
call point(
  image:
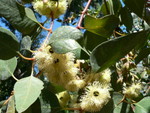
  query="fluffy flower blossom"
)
[
  {"x": 96, "y": 96},
  {"x": 59, "y": 68},
  {"x": 63, "y": 98},
  {"x": 132, "y": 91},
  {"x": 50, "y": 8}
]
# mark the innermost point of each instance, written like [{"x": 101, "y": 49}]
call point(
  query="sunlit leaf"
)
[
  {"x": 102, "y": 26},
  {"x": 7, "y": 68},
  {"x": 26, "y": 91},
  {"x": 66, "y": 32},
  {"x": 143, "y": 106}
]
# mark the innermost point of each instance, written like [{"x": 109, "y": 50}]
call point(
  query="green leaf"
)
[
  {"x": 136, "y": 6},
  {"x": 66, "y": 45},
  {"x": 8, "y": 44},
  {"x": 48, "y": 96},
  {"x": 66, "y": 32},
  {"x": 104, "y": 9},
  {"x": 116, "y": 6},
  {"x": 101, "y": 26},
  {"x": 26, "y": 43},
  {"x": 126, "y": 18},
  {"x": 7, "y": 68},
  {"x": 117, "y": 97},
  {"x": 109, "y": 52},
  {"x": 122, "y": 107},
  {"x": 91, "y": 40},
  {"x": 34, "y": 108},
  {"x": 143, "y": 106},
  {"x": 11, "y": 105},
  {"x": 26, "y": 91},
  {"x": 15, "y": 13},
  {"x": 30, "y": 14},
  {"x": 143, "y": 54}
]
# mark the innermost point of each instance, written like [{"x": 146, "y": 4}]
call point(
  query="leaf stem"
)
[
  {"x": 82, "y": 15},
  {"x": 25, "y": 57}
]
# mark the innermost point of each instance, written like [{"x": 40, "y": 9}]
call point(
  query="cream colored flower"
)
[
  {"x": 63, "y": 98},
  {"x": 50, "y": 8},
  {"x": 96, "y": 96},
  {"x": 132, "y": 91},
  {"x": 105, "y": 76},
  {"x": 75, "y": 85}
]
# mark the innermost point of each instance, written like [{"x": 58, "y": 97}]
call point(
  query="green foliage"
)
[
  {"x": 136, "y": 6},
  {"x": 113, "y": 47},
  {"x": 66, "y": 45},
  {"x": 66, "y": 32},
  {"x": 126, "y": 18},
  {"x": 15, "y": 13},
  {"x": 8, "y": 44},
  {"x": 7, "y": 68},
  {"x": 143, "y": 106},
  {"x": 27, "y": 90},
  {"x": 101, "y": 26},
  {"x": 109, "y": 52}
]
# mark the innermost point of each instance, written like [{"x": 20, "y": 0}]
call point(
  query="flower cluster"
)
[
  {"x": 50, "y": 8},
  {"x": 132, "y": 91},
  {"x": 59, "y": 68}
]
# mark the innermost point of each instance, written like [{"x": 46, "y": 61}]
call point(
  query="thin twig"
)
[
  {"x": 39, "y": 73},
  {"x": 12, "y": 93},
  {"x": 82, "y": 15},
  {"x": 121, "y": 100}
]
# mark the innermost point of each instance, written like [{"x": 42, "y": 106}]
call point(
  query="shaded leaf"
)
[
  {"x": 48, "y": 96},
  {"x": 66, "y": 32},
  {"x": 91, "y": 40},
  {"x": 109, "y": 52},
  {"x": 26, "y": 91},
  {"x": 26, "y": 43},
  {"x": 143, "y": 106},
  {"x": 34, "y": 108},
  {"x": 11, "y": 105},
  {"x": 116, "y": 6},
  {"x": 66, "y": 45},
  {"x": 136, "y": 6},
  {"x": 8, "y": 44},
  {"x": 143, "y": 54},
  {"x": 7, "y": 68},
  {"x": 126, "y": 18},
  {"x": 101, "y": 26},
  {"x": 15, "y": 13},
  {"x": 104, "y": 9},
  {"x": 122, "y": 107}
]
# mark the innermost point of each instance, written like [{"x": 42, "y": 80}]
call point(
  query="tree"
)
[{"x": 97, "y": 61}]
